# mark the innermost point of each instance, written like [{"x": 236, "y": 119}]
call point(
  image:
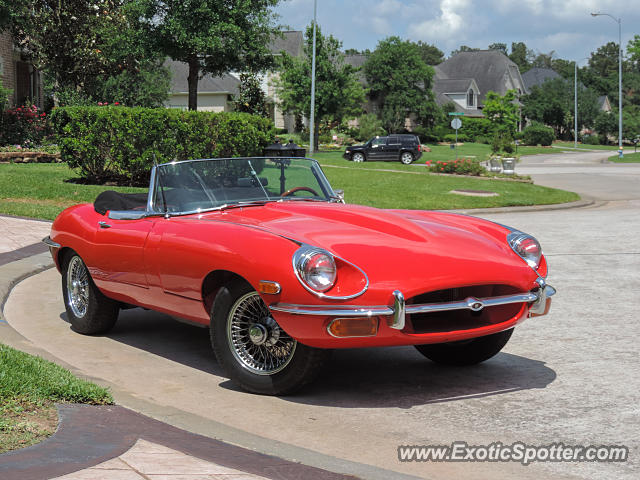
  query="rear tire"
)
[
  {"x": 406, "y": 158},
  {"x": 88, "y": 310},
  {"x": 252, "y": 348},
  {"x": 466, "y": 352}
]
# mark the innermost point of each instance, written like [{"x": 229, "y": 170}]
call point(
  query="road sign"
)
[
  {"x": 456, "y": 123},
  {"x": 456, "y": 113}
]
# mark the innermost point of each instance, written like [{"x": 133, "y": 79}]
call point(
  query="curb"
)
[{"x": 529, "y": 208}]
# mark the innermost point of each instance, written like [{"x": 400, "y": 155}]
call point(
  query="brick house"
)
[{"x": 18, "y": 75}]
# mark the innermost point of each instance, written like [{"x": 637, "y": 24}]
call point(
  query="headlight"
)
[
  {"x": 527, "y": 247},
  {"x": 315, "y": 268}
]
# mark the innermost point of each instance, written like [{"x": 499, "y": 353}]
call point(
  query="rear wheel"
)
[
  {"x": 358, "y": 157},
  {"x": 466, "y": 352},
  {"x": 254, "y": 350},
  {"x": 406, "y": 158},
  {"x": 88, "y": 310}
]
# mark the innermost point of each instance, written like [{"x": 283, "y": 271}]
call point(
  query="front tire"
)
[
  {"x": 466, "y": 352},
  {"x": 406, "y": 158},
  {"x": 88, "y": 310},
  {"x": 358, "y": 157},
  {"x": 252, "y": 348}
]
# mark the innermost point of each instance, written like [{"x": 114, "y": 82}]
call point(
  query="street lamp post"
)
[
  {"x": 313, "y": 83},
  {"x": 619, "y": 21}
]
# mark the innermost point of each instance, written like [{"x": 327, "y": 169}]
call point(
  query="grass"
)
[
  {"x": 628, "y": 158},
  {"x": 412, "y": 187},
  {"x": 29, "y": 387},
  {"x": 584, "y": 146},
  {"x": 42, "y": 190}
]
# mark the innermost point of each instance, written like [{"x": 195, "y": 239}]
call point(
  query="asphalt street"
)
[{"x": 569, "y": 377}]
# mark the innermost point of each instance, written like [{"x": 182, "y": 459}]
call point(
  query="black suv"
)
[{"x": 403, "y": 147}]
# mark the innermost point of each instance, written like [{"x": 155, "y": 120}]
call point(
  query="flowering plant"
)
[
  {"x": 24, "y": 125},
  {"x": 462, "y": 166}
]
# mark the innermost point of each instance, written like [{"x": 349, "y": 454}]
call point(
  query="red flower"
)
[
  {"x": 444, "y": 163},
  {"x": 116, "y": 103}
]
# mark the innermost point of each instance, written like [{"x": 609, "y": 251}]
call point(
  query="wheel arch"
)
[{"x": 215, "y": 280}]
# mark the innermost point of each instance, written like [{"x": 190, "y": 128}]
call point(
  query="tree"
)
[
  {"x": 401, "y": 82},
  {"x": 552, "y": 104},
  {"x": 463, "y": 48},
  {"x": 502, "y": 110},
  {"x": 501, "y": 47},
  {"x": 431, "y": 54},
  {"x": 251, "y": 98},
  {"x": 520, "y": 55},
  {"x": 211, "y": 36},
  {"x": 92, "y": 50},
  {"x": 604, "y": 61},
  {"x": 338, "y": 92}
]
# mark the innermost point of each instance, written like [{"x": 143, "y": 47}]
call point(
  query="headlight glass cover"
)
[
  {"x": 315, "y": 268},
  {"x": 527, "y": 247}
]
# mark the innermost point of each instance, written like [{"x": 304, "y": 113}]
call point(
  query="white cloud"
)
[{"x": 454, "y": 18}]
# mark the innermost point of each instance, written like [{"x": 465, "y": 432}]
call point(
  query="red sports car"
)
[{"x": 265, "y": 253}]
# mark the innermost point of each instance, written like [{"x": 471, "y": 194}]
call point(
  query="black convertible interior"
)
[{"x": 111, "y": 200}]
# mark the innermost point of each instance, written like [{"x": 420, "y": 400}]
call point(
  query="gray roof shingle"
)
[
  {"x": 537, "y": 76},
  {"x": 291, "y": 42},
  {"x": 207, "y": 84}
]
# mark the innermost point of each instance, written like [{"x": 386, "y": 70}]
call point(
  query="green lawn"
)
[
  {"x": 42, "y": 190},
  {"x": 628, "y": 158},
  {"x": 29, "y": 386},
  {"x": 584, "y": 146},
  {"x": 412, "y": 187}
]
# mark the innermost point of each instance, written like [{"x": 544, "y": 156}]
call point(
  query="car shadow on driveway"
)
[{"x": 354, "y": 378}]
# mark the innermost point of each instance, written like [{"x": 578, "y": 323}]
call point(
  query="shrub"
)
[
  {"x": 476, "y": 127},
  {"x": 462, "y": 166},
  {"x": 370, "y": 126},
  {"x": 482, "y": 139},
  {"x": 121, "y": 144},
  {"x": 25, "y": 125},
  {"x": 591, "y": 140},
  {"x": 538, "y": 134},
  {"x": 451, "y": 138}
]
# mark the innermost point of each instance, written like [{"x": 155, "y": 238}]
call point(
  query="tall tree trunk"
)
[{"x": 194, "y": 70}]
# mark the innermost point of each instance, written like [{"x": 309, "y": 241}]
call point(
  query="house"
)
[
  {"x": 17, "y": 74},
  {"x": 216, "y": 93},
  {"x": 466, "y": 77}
]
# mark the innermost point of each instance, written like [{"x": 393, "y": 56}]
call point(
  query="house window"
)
[{"x": 471, "y": 101}]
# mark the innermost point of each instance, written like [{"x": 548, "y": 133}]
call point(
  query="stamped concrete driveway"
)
[{"x": 569, "y": 377}]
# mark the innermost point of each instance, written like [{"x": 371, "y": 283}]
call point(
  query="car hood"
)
[{"x": 447, "y": 246}]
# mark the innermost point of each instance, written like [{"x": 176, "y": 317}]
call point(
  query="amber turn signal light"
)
[
  {"x": 354, "y": 327},
  {"x": 266, "y": 286}
]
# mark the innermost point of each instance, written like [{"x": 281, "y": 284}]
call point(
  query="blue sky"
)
[{"x": 563, "y": 26}]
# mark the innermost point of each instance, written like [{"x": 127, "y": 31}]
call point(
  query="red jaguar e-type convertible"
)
[{"x": 265, "y": 253}]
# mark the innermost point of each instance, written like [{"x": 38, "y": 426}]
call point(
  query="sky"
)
[{"x": 563, "y": 26}]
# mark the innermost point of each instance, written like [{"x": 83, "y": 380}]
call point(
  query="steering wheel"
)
[{"x": 293, "y": 190}]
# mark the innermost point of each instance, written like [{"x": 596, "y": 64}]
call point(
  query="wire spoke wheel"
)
[
  {"x": 255, "y": 338},
  {"x": 77, "y": 287}
]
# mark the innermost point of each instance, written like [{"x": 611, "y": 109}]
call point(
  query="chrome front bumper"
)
[{"x": 399, "y": 310}]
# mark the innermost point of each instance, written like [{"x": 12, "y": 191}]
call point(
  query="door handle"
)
[{"x": 104, "y": 225}]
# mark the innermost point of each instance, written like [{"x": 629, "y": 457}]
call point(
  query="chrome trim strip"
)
[
  {"x": 127, "y": 214},
  {"x": 50, "y": 243},
  {"x": 307, "y": 249},
  {"x": 399, "y": 310}
]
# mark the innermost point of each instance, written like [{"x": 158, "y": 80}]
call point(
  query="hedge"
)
[
  {"x": 114, "y": 143},
  {"x": 538, "y": 134}
]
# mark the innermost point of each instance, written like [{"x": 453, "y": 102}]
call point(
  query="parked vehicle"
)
[
  {"x": 264, "y": 254},
  {"x": 401, "y": 147}
]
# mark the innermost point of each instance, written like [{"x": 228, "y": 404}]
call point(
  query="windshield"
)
[{"x": 196, "y": 185}]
